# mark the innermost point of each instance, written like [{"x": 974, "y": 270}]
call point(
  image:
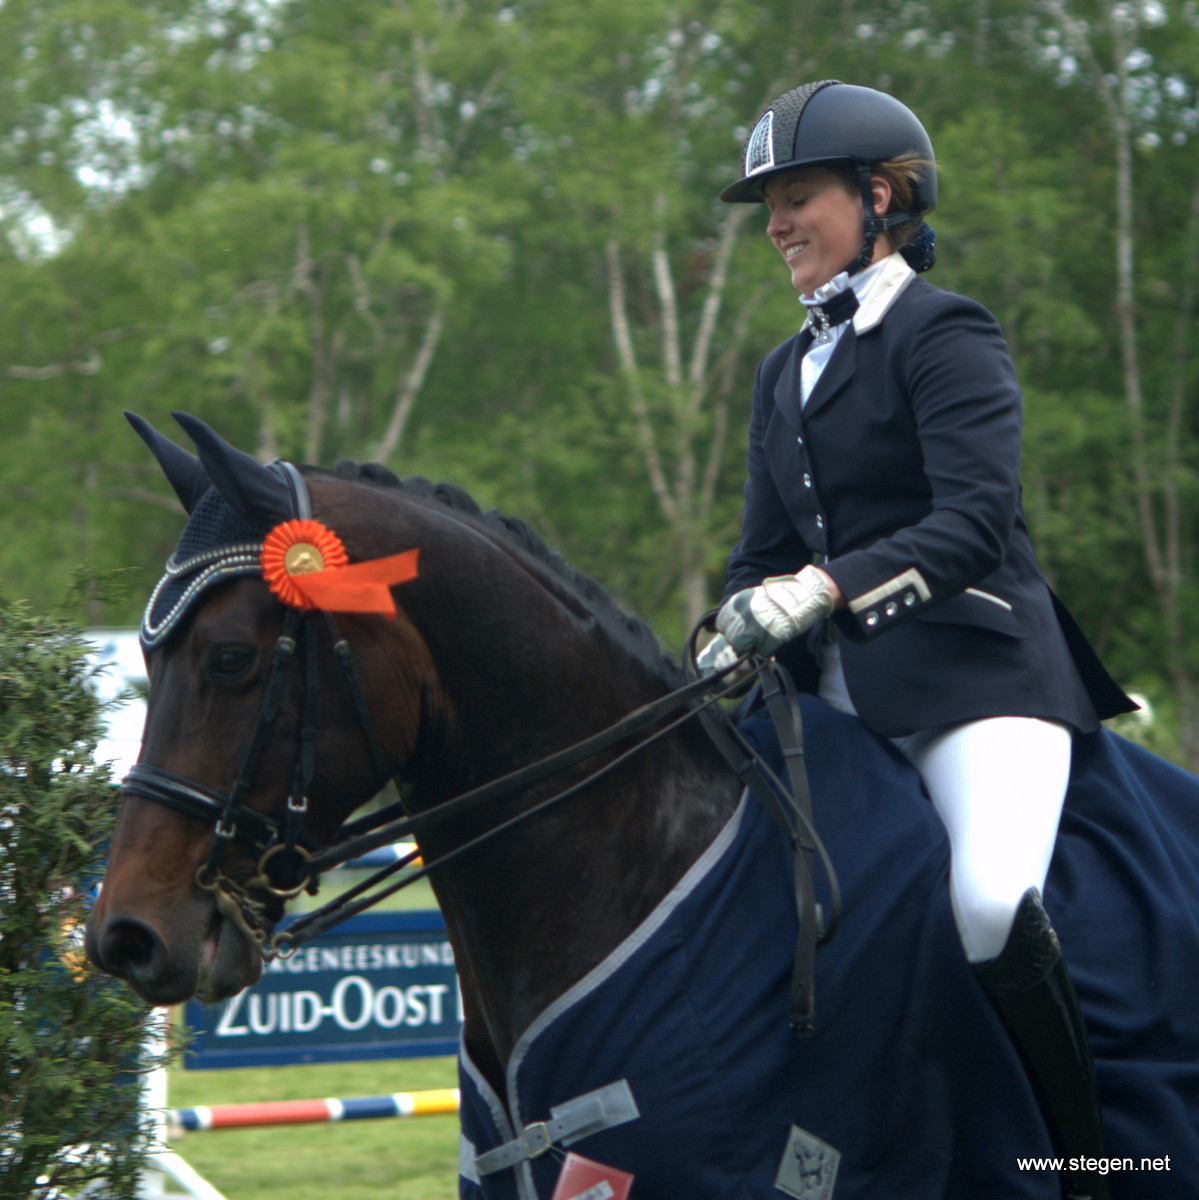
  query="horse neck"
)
[
  {"x": 535, "y": 909},
  {"x": 497, "y": 661}
]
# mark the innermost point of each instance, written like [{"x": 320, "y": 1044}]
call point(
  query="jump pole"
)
[{"x": 435, "y": 1102}]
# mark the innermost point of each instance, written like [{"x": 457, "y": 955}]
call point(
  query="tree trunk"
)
[{"x": 683, "y": 472}]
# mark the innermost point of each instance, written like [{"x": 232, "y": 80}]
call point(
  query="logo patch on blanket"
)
[{"x": 809, "y": 1167}]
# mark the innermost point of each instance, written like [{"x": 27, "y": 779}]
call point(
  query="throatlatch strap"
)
[{"x": 345, "y": 660}]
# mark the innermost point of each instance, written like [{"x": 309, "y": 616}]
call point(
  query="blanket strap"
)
[{"x": 569, "y": 1122}]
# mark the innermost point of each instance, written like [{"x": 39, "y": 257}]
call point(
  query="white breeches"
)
[{"x": 998, "y": 785}]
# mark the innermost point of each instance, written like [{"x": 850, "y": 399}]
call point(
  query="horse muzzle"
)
[{"x": 211, "y": 960}]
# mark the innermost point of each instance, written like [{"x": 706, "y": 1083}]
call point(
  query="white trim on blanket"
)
[{"x": 494, "y": 1104}]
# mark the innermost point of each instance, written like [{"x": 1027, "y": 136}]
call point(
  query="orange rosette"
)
[
  {"x": 307, "y": 567},
  {"x": 295, "y": 549}
]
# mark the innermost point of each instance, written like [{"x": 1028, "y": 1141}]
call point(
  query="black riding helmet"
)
[{"x": 829, "y": 122}]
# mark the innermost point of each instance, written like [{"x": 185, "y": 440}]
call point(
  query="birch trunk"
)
[{"x": 682, "y": 447}]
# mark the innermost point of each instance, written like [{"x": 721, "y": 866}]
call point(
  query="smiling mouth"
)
[{"x": 794, "y": 250}]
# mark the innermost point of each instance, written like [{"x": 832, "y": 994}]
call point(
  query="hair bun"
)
[{"x": 921, "y": 253}]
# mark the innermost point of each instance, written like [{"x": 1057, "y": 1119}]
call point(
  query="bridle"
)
[
  {"x": 288, "y": 861},
  {"x": 280, "y": 847}
]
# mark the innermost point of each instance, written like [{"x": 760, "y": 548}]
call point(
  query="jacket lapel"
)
[
  {"x": 895, "y": 276},
  {"x": 835, "y": 375},
  {"x": 786, "y": 386}
]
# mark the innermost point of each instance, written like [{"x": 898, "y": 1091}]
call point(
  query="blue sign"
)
[{"x": 380, "y": 985}]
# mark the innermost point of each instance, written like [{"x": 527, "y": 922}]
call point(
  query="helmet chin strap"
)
[{"x": 872, "y": 225}]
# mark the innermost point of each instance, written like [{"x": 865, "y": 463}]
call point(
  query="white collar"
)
[
  {"x": 860, "y": 282},
  {"x": 893, "y": 275},
  {"x": 877, "y": 287}
]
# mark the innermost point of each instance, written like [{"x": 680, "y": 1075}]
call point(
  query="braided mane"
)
[{"x": 631, "y": 632}]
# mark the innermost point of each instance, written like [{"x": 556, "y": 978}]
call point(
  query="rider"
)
[{"x": 883, "y": 521}]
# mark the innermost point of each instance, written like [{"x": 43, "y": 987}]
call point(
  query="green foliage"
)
[
  {"x": 383, "y": 230},
  {"x": 69, "y": 1040}
]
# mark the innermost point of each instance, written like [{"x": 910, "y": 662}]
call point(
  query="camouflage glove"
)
[
  {"x": 763, "y": 618},
  {"x": 715, "y": 656}
]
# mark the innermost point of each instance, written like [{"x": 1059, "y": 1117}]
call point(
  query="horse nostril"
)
[
  {"x": 128, "y": 947},
  {"x": 133, "y": 950}
]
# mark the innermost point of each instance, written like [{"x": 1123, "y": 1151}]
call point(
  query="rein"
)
[
  {"x": 353, "y": 901},
  {"x": 791, "y": 809},
  {"x": 288, "y": 862}
]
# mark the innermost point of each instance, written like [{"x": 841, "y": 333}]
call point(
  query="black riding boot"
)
[{"x": 1031, "y": 990}]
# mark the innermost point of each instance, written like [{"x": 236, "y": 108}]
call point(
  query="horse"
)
[{"x": 623, "y": 933}]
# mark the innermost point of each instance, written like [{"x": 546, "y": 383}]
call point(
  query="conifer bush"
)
[{"x": 70, "y": 1039}]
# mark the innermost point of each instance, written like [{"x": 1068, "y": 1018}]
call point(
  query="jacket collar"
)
[
  {"x": 894, "y": 277},
  {"x": 887, "y": 288}
]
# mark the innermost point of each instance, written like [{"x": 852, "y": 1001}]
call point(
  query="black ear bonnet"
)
[{"x": 233, "y": 502}]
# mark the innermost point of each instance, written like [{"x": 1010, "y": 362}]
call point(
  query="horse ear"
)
[
  {"x": 250, "y": 488},
  {"x": 183, "y": 471}
]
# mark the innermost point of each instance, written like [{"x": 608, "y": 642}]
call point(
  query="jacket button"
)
[
  {"x": 807, "y": 480},
  {"x": 871, "y": 619},
  {"x": 819, "y": 521},
  {"x": 909, "y": 599},
  {"x": 891, "y": 609}
]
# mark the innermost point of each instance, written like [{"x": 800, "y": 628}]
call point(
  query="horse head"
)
[{"x": 185, "y": 906}]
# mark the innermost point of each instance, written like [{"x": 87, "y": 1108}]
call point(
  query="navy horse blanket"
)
[{"x": 909, "y": 1089}]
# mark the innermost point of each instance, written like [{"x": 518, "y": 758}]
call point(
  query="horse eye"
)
[{"x": 230, "y": 662}]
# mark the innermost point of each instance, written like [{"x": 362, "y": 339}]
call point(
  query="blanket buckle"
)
[{"x": 535, "y": 1139}]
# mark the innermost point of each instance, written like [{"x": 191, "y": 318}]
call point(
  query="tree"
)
[
  {"x": 1135, "y": 86},
  {"x": 70, "y": 1042},
  {"x": 481, "y": 240},
  {"x": 277, "y": 257}
]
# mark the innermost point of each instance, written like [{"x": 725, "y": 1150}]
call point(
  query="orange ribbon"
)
[{"x": 306, "y": 565}]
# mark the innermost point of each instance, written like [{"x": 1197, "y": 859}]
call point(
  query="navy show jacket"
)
[{"x": 901, "y": 479}]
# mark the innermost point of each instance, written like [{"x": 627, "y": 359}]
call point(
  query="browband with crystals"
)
[{"x": 206, "y": 569}]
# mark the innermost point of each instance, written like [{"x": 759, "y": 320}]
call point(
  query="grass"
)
[{"x": 412, "y": 1158}]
